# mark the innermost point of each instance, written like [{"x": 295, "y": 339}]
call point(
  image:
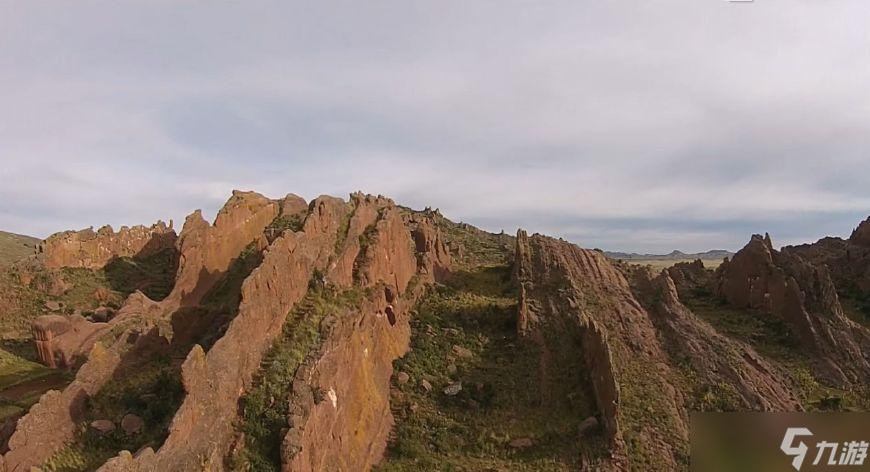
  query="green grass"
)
[
  {"x": 264, "y": 408},
  {"x": 14, "y": 247},
  {"x": 154, "y": 275},
  {"x": 283, "y": 223},
  {"x": 502, "y": 398},
  {"x": 16, "y": 371},
  {"x": 773, "y": 339},
  {"x": 152, "y": 391}
]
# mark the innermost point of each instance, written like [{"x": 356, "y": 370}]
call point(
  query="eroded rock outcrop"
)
[
  {"x": 347, "y": 426},
  {"x": 94, "y": 249},
  {"x": 206, "y": 253},
  {"x": 565, "y": 289},
  {"x": 803, "y": 295},
  {"x": 738, "y": 377},
  {"x": 60, "y": 339}
]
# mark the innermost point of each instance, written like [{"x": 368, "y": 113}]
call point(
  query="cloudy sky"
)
[{"x": 626, "y": 125}]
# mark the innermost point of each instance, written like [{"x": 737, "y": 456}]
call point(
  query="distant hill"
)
[
  {"x": 15, "y": 246},
  {"x": 673, "y": 256}
]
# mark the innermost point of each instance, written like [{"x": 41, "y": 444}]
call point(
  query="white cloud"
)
[{"x": 652, "y": 125}]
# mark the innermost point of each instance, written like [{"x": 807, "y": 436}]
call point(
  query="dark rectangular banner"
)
[{"x": 774, "y": 442}]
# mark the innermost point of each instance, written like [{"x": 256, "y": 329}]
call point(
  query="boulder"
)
[
  {"x": 462, "y": 352},
  {"x": 103, "y": 426},
  {"x": 521, "y": 443},
  {"x": 52, "y": 305},
  {"x": 402, "y": 378},
  {"x": 453, "y": 389},
  {"x": 132, "y": 424}
]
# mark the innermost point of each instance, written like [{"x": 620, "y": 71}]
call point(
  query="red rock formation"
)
[
  {"x": 60, "y": 339},
  {"x": 207, "y": 251},
  {"x": 564, "y": 290},
  {"x": 690, "y": 276},
  {"x": 366, "y": 211},
  {"x": 390, "y": 257},
  {"x": 716, "y": 360},
  {"x": 433, "y": 257},
  {"x": 93, "y": 250},
  {"x": 294, "y": 205},
  {"x": 53, "y": 421},
  {"x": 785, "y": 285},
  {"x": 348, "y": 429}
]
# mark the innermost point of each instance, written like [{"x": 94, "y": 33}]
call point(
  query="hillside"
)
[
  {"x": 14, "y": 247},
  {"x": 359, "y": 334}
]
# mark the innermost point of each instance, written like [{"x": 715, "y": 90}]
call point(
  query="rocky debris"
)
[
  {"x": 402, "y": 378},
  {"x": 425, "y": 385},
  {"x": 52, "y": 305},
  {"x": 587, "y": 425},
  {"x": 462, "y": 352},
  {"x": 755, "y": 384},
  {"x": 453, "y": 389},
  {"x": 94, "y": 249},
  {"x": 521, "y": 443},
  {"x": 102, "y": 426},
  {"x": 803, "y": 295},
  {"x": 132, "y": 424}
]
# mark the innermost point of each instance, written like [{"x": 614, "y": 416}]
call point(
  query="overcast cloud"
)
[{"x": 626, "y": 125}]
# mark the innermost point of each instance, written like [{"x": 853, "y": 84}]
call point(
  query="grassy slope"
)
[
  {"x": 773, "y": 339},
  {"x": 15, "y": 246},
  {"x": 501, "y": 397}
]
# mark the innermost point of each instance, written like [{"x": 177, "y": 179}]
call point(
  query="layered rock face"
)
[
  {"x": 566, "y": 289},
  {"x": 848, "y": 260},
  {"x": 206, "y": 252},
  {"x": 752, "y": 383},
  {"x": 93, "y": 250},
  {"x": 803, "y": 295},
  {"x": 367, "y": 243}
]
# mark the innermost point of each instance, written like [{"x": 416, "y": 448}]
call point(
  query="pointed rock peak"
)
[
  {"x": 767, "y": 241},
  {"x": 861, "y": 235},
  {"x": 193, "y": 222}
]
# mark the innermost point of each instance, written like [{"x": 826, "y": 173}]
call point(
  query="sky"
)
[{"x": 639, "y": 126}]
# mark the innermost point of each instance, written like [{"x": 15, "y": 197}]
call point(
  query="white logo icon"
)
[{"x": 800, "y": 451}]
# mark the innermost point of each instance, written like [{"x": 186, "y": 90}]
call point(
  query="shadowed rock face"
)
[
  {"x": 565, "y": 289},
  {"x": 802, "y": 294},
  {"x": 201, "y": 432},
  {"x": 93, "y": 250},
  {"x": 206, "y": 252}
]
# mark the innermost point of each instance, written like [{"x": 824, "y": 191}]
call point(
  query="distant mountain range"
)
[{"x": 674, "y": 255}]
